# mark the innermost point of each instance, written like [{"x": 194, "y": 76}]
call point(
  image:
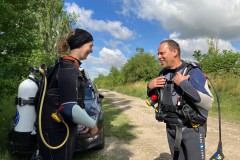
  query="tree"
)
[
  {"x": 53, "y": 23},
  {"x": 18, "y": 32},
  {"x": 219, "y": 63},
  {"x": 197, "y": 55},
  {"x": 213, "y": 46},
  {"x": 101, "y": 81},
  {"x": 115, "y": 77},
  {"x": 18, "y": 37},
  {"x": 21, "y": 45},
  {"x": 141, "y": 66}
]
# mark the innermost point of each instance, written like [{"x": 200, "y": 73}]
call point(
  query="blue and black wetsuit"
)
[{"x": 67, "y": 90}]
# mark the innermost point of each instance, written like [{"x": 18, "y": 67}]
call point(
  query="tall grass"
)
[
  {"x": 8, "y": 109},
  {"x": 228, "y": 89},
  {"x": 137, "y": 89}
]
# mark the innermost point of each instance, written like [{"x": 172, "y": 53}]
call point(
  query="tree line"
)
[
  {"x": 29, "y": 32},
  {"x": 143, "y": 66}
]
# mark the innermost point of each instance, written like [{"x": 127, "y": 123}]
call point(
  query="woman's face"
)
[{"x": 85, "y": 50}]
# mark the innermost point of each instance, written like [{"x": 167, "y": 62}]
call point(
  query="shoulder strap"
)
[
  {"x": 189, "y": 67},
  {"x": 51, "y": 71}
]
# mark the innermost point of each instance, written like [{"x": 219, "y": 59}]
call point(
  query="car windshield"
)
[{"x": 88, "y": 93}]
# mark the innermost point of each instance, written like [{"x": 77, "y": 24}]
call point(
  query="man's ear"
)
[{"x": 175, "y": 53}]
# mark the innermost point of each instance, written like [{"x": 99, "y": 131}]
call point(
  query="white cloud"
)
[
  {"x": 107, "y": 58},
  {"x": 93, "y": 72},
  {"x": 118, "y": 44},
  {"x": 189, "y": 45},
  {"x": 85, "y": 20},
  {"x": 190, "y": 18},
  {"x": 113, "y": 43}
]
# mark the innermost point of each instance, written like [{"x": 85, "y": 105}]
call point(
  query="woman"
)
[{"x": 65, "y": 95}]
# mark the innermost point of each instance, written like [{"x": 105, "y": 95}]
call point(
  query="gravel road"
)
[{"x": 151, "y": 142}]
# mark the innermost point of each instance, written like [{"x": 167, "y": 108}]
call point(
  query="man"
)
[{"x": 183, "y": 102}]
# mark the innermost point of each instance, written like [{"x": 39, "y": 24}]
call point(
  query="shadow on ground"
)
[{"x": 164, "y": 156}]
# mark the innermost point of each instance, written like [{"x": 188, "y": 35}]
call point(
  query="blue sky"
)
[{"x": 120, "y": 26}]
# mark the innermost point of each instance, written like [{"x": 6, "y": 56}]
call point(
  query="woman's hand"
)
[
  {"x": 85, "y": 129},
  {"x": 93, "y": 131}
]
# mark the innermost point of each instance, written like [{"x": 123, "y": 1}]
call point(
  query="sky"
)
[{"x": 120, "y": 26}]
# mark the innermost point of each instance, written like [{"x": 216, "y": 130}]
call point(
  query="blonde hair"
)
[{"x": 62, "y": 45}]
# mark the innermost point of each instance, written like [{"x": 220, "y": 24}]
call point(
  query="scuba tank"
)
[{"x": 23, "y": 137}]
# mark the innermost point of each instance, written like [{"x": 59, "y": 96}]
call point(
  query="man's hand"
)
[
  {"x": 179, "y": 78},
  {"x": 157, "y": 82},
  {"x": 93, "y": 131}
]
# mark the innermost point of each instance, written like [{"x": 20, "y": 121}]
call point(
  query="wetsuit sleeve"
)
[
  {"x": 150, "y": 92},
  {"x": 197, "y": 90},
  {"x": 78, "y": 115},
  {"x": 68, "y": 89}
]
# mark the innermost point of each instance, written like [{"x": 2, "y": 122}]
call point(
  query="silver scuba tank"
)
[
  {"x": 24, "y": 135},
  {"x": 26, "y": 113}
]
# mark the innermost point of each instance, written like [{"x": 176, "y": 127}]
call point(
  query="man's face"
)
[{"x": 166, "y": 56}]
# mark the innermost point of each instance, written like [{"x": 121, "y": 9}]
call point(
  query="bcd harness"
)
[
  {"x": 173, "y": 107},
  {"x": 52, "y": 104},
  {"x": 52, "y": 77}
]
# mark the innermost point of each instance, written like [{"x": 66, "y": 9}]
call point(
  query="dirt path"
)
[{"x": 151, "y": 142}]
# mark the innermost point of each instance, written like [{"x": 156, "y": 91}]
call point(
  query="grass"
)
[
  {"x": 137, "y": 89},
  {"x": 8, "y": 109},
  {"x": 91, "y": 155},
  {"x": 116, "y": 124},
  {"x": 227, "y": 87}
]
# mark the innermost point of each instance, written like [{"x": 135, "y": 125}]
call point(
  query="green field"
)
[{"x": 116, "y": 125}]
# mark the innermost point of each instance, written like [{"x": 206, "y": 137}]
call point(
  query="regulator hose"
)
[{"x": 42, "y": 71}]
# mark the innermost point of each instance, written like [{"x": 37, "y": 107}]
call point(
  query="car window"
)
[{"x": 88, "y": 93}]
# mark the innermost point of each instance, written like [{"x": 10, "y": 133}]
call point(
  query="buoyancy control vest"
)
[
  {"x": 52, "y": 100},
  {"x": 173, "y": 106}
]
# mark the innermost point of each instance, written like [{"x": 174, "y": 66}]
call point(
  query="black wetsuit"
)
[{"x": 67, "y": 86}]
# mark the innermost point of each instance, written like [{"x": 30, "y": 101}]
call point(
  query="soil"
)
[{"x": 151, "y": 141}]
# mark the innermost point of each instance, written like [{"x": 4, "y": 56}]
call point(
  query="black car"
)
[{"x": 93, "y": 106}]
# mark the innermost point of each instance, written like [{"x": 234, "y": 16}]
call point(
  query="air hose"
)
[
  {"x": 42, "y": 72},
  {"x": 219, "y": 154}
]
